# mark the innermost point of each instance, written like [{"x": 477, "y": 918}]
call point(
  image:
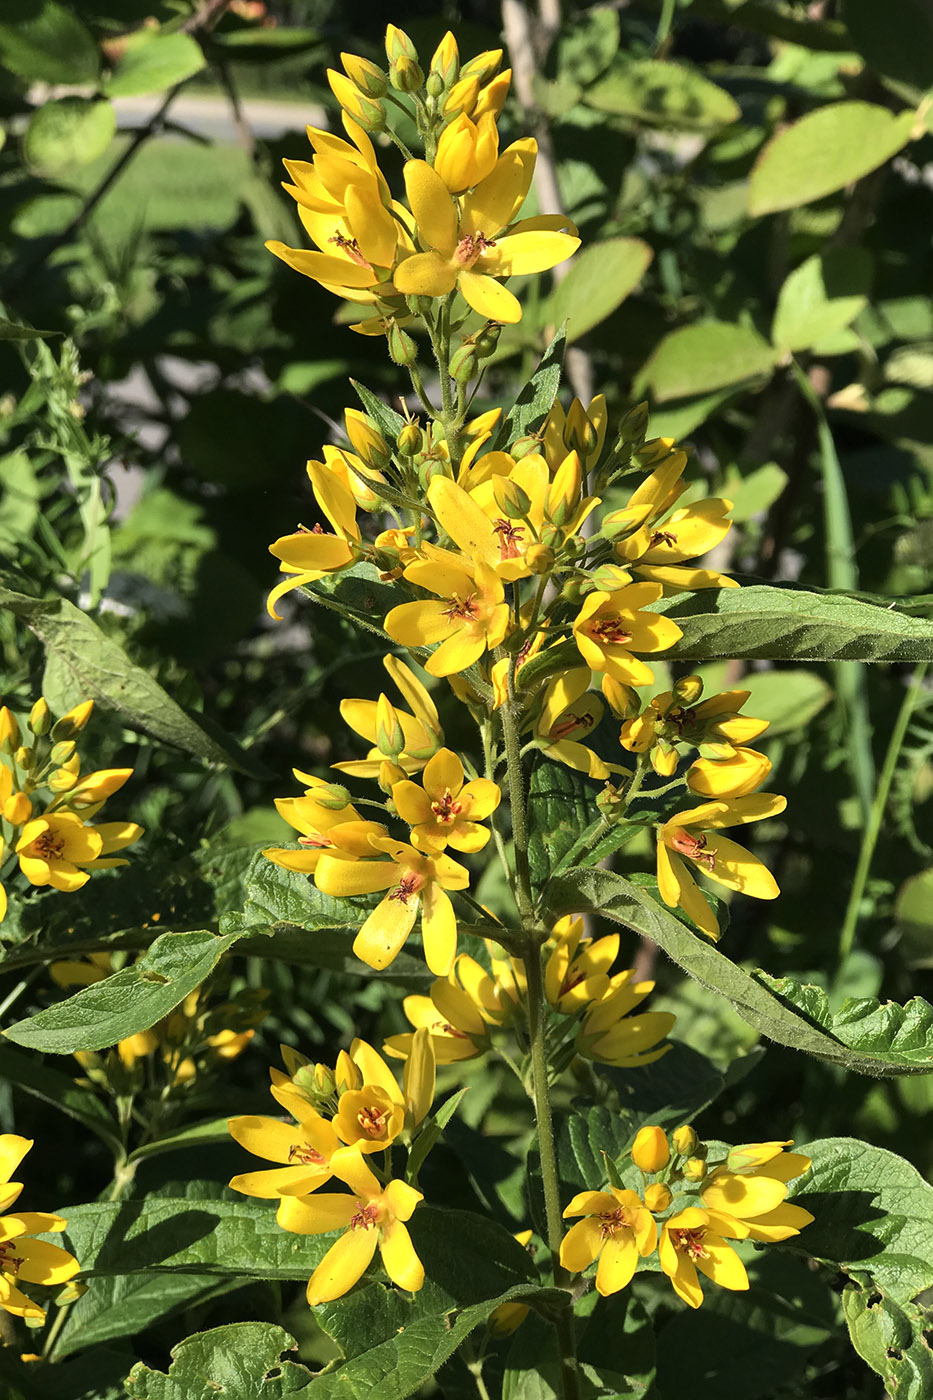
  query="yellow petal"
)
[
  {"x": 469, "y": 527},
  {"x": 521, "y": 253},
  {"x": 45, "y": 1263},
  {"x": 581, "y": 1244},
  {"x": 617, "y": 1264},
  {"x": 489, "y": 298},
  {"x": 426, "y": 275},
  {"x": 381, "y": 937},
  {"x": 399, "y": 1258},
  {"x": 438, "y": 931},
  {"x": 13, "y": 1149},
  {"x": 495, "y": 202},
  {"x": 434, "y": 210},
  {"x": 324, "y": 267},
  {"x": 343, "y": 1265},
  {"x": 738, "y": 869},
  {"x": 721, "y": 1263}
]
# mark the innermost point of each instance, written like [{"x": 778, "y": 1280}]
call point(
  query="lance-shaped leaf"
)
[
  {"x": 535, "y": 400},
  {"x": 791, "y": 624},
  {"x": 867, "y": 1050}
]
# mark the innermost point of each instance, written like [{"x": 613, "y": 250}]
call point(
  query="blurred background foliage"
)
[{"x": 754, "y": 188}]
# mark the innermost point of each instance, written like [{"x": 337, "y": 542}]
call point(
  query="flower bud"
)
[
  {"x": 369, "y": 112},
  {"x": 609, "y": 577},
  {"x": 622, "y": 699},
  {"x": 462, "y": 366},
  {"x": 410, "y": 440},
  {"x": 524, "y": 447},
  {"x": 418, "y": 305},
  {"x": 402, "y": 349},
  {"x": 434, "y": 87},
  {"x": 366, "y": 438},
  {"x": 633, "y": 425},
  {"x": 398, "y": 44},
  {"x": 462, "y": 98},
  {"x": 62, "y": 780},
  {"x": 650, "y": 1151},
  {"x": 9, "y": 730},
  {"x": 653, "y": 452},
  {"x": 331, "y": 796},
  {"x": 658, "y": 1196},
  {"x": 40, "y": 717},
  {"x": 390, "y": 738},
  {"x": 406, "y": 75},
  {"x": 370, "y": 79},
  {"x": 24, "y": 757},
  {"x": 687, "y": 690},
  {"x": 608, "y": 801},
  {"x": 685, "y": 1140},
  {"x": 73, "y": 722},
  {"x": 510, "y": 498},
  {"x": 486, "y": 340},
  {"x": 694, "y": 1169},
  {"x": 492, "y": 97},
  {"x": 62, "y": 751},
  {"x": 445, "y": 64},
  {"x": 579, "y": 434},
  {"x": 484, "y": 66},
  {"x": 664, "y": 759},
  {"x": 17, "y": 809},
  {"x": 540, "y": 558}
]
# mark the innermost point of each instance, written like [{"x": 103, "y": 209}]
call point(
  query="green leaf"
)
[
  {"x": 59, "y": 1091},
  {"x": 46, "y": 43},
  {"x": 751, "y": 495},
  {"x": 820, "y": 297},
  {"x": 599, "y": 279},
  {"x": 823, "y": 152},
  {"x": 68, "y": 132},
  {"x": 153, "y": 62},
  {"x": 788, "y": 700},
  {"x": 791, "y": 624},
  {"x": 586, "y": 47},
  {"x": 662, "y": 93},
  {"x": 534, "y": 402},
  {"x": 206, "y": 1134},
  {"x": 243, "y": 1360},
  {"x": 699, "y": 358},
  {"x": 121, "y": 1305},
  {"x": 101, "y": 670},
  {"x": 892, "y": 1338},
  {"x": 866, "y": 1050},
  {"x": 903, "y": 1034},
  {"x": 128, "y": 1001},
  {"x": 10, "y": 330},
  {"x": 896, "y": 41},
  {"x": 560, "y": 807}
]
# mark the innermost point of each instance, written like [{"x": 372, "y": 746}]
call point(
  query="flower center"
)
[
  {"x": 573, "y": 979},
  {"x": 9, "y": 1264},
  {"x": 372, "y": 1120},
  {"x": 569, "y": 723},
  {"x": 448, "y": 1029},
  {"x": 49, "y": 846},
  {"x": 305, "y": 1155},
  {"x": 365, "y": 1218},
  {"x": 351, "y": 248},
  {"x": 662, "y": 537},
  {"x": 612, "y": 1222},
  {"x": 447, "y": 809},
  {"x": 407, "y": 888},
  {"x": 458, "y": 607},
  {"x": 471, "y": 248},
  {"x": 316, "y": 840},
  {"x": 693, "y": 847},
  {"x": 690, "y": 1242},
  {"x": 609, "y": 631},
  {"x": 509, "y": 536}
]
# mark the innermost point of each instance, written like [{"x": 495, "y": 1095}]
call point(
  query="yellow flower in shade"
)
[
  {"x": 658, "y": 543},
  {"x": 91, "y": 792},
  {"x": 508, "y": 1317},
  {"x": 24, "y": 1259},
  {"x": 469, "y": 616},
  {"x": 370, "y": 1111},
  {"x": 315, "y": 819},
  {"x": 690, "y": 840},
  {"x": 414, "y": 882},
  {"x": 570, "y": 710},
  {"x": 610, "y": 627},
  {"x": 466, "y": 251},
  {"x": 446, "y": 811},
  {"x": 609, "y": 1033},
  {"x": 696, "y": 1239},
  {"x": 374, "y": 1215},
  {"x": 467, "y": 152},
  {"x": 305, "y": 1151},
  {"x": 421, "y": 729},
  {"x": 307, "y": 555},
  {"x": 577, "y": 969},
  {"x": 616, "y": 1228},
  {"x": 457, "y": 1014}
]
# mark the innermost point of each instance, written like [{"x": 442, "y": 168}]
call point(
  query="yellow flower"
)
[
  {"x": 728, "y": 768},
  {"x": 466, "y": 251},
  {"x": 616, "y": 1229},
  {"x": 305, "y": 1151},
  {"x": 316, "y": 820},
  {"x": 470, "y": 616},
  {"x": 373, "y": 1215},
  {"x": 446, "y": 811},
  {"x": 612, "y": 1036},
  {"x": 577, "y": 969},
  {"x": 694, "y": 1239},
  {"x": 371, "y": 1113},
  {"x": 307, "y": 555},
  {"x": 413, "y": 880},
  {"x": 569, "y": 710},
  {"x": 22, "y": 1258},
  {"x": 750, "y": 1187},
  {"x": 581, "y": 429},
  {"x": 467, "y": 152},
  {"x": 611, "y": 626},
  {"x": 422, "y": 731},
  {"x": 690, "y": 836},
  {"x": 52, "y": 848}
]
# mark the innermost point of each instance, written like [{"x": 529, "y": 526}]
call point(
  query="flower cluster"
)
[
  {"x": 691, "y": 1208},
  {"x": 342, "y": 1118},
  {"x": 24, "y": 1259},
  {"x": 590, "y": 1005},
  {"x": 46, "y": 805}
]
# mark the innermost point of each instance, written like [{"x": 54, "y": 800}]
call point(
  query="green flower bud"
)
[
  {"x": 510, "y": 498},
  {"x": 9, "y": 730},
  {"x": 434, "y": 87},
  {"x": 73, "y": 722},
  {"x": 633, "y": 425},
  {"x": 40, "y": 717},
  {"x": 402, "y": 349},
  {"x": 406, "y": 75},
  {"x": 540, "y": 559},
  {"x": 486, "y": 340},
  {"x": 524, "y": 447},
  {"x": 25, "y": 756},
  {"x": 685, "y": 1140},
  {"x": 410, "y": 440},
  {"x": 332, "y": 797},
  {"x": 463, "y": 364},
  {"x": 694, "y": 1169},
  {"x": 62, "y": 751},
  {"x": 687, "y": 690}
]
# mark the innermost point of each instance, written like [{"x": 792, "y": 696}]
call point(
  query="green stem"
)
[
  {"x": 876, "y": 814},
  {"x": 514, "y": 778},
  {"x": 417, "y": 384},
  {"x": 537, "y": 1018}
]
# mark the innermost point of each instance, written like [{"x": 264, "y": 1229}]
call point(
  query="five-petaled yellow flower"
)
[
  {"x": 470, "y": 616},
  {"x": 446, "y": 811},
  {"x": 24, "y": 1259},
  {"x": 616, "y": 1228},
  {"x": 374, "y": 1215},
  {"x": 696, "y": 1239},
  {"x": 611, "y": 626}
]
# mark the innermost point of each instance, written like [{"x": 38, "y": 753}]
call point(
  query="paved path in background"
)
[{"x": 211, "y": 116}]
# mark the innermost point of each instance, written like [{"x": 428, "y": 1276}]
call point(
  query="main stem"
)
[{"x": 537, "y": 1020}]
